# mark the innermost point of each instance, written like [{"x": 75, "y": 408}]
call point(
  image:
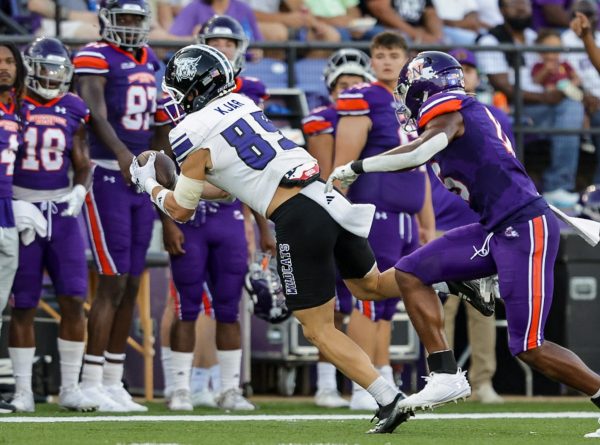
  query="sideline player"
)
[
  {"x": 54, "y": 147},
  {"x": 12, "y": 85},
  {"x": 345, "y": 68},
  {"x": 212, "y": 248},
  {"x": 226, "y": 139},
  {"x": 367, "y": 126},
  {"x": 517, "y": 235},
  {"x": 117, "y": 81}
]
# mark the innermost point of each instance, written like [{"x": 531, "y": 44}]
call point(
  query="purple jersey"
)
[
  {"x": 480, "y": 165},
  {"x": 10, "y": 139},
  {"x": 388, "y": 191},
  {"x": 251, "y": 87},
  {"x": 130, "y": 93},
  {"x": 45, "y": 160},
  {"x": 321, "y": 120}
]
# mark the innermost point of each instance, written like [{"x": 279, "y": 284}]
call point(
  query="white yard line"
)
[{"x": 294, "y": 418}]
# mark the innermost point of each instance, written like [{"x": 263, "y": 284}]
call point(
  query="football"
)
[{"x": 166, "y": 172}]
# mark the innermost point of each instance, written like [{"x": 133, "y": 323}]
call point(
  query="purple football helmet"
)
[
  {"x": 119, "y": 24},
  {"x": 428, "y": 73},
  {"x": 589, "y": 205},
  {"x": 49, "y": 67},
  {"x": 226, "y": 27},
  {"x": 265, "y": 290}
]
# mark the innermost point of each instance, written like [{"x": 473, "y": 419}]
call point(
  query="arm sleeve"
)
[
  {"x": 90, "y": 61},
  {"x": 352, "y": 103}
]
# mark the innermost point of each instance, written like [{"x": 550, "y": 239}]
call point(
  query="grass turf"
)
[{"x": 296, "y": 432}]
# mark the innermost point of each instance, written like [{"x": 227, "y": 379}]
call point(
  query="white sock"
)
[
  {"x": 112, "y": 372},
  {"x": 382, "y": 391},
  {"x": 181, "y": 364},
  {"x": 387, "y": 373},
  {"x": 71, "y": 355},
  {"x": 167, "y": 368},
  {"x": 200, "y": 379},
  {"x": 215, "y": 378},
  {"x": 22, "y": 363},
  {"x": 326, "y": 376},
  {"x": 92, "y": 370},
  {"x": 230, "y": 362},
  {"x": 595, "y": 396}
]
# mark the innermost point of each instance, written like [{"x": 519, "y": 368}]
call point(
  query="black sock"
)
[
  {"x": 596, "y": 401},
  {"x": 442, "y": 362}
]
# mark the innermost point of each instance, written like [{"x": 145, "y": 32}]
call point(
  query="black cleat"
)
[
  {"x": 469, "y": 292},
  {"x": 389, "y": 417},
  {"x": 6, "y": 408}
]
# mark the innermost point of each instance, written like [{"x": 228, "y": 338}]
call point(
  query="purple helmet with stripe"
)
[
  {"x": 428, "y": 73},
  {"x": 589, "y": 204},
  {"x": 49, "y": 67}
]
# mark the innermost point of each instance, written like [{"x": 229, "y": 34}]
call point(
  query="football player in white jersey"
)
[{"x": 227, "y": 141}]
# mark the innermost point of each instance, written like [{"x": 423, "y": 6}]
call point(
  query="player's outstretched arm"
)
[
  {"x": 91, "y": 89},
  {"x": 438, "y": 133}
]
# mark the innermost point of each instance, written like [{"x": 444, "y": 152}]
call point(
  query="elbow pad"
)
[{"x": 188, "y": 192}]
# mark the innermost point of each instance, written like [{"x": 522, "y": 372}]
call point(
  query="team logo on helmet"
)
[
  {"x": 418, "y": 70},
  {"x": 186, "y": 68}
]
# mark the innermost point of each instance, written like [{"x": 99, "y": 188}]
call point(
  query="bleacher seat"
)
[{"x": 272, "y": 72}]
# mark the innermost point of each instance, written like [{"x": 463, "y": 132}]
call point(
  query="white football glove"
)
[
  {"x": 74, "y": 199},
  {"x": 139, "y": 174},
  {"x": 344, "y": 174}
]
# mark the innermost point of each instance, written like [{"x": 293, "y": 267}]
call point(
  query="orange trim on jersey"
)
[
  {"x": 352, "y": 105},
  {"x": 142, "y": 60},
  {"x": 238, "y": 84},
  {"x": 537, "y": 277},
  {"x": 90, "y": 62},
  {"x": 445, "y": 107},
  {"x": 95, "y": 225},
  {"x": 10, "y": 110},
  {"x": 38, "y": 104},
  {"x": 313, "y": 127},
  {"x": 161, "y": 116}
]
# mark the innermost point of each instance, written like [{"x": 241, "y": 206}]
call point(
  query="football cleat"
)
[
  {"x": 440, "y": 389},
  {"x": 181, "y": 400},
  {"x": 204, "y": 398},
  {"x": 98, "y": 395},
  {"x": 330, "y": 398},
  {"x": 389, "y": 417},
  {"x": 71, "y": 398},
  {"x": 23, "y": 402},
  {"x": 470, "y": 291},
  {"x": 123, "y": 398},
  {"x": 595, "y": 434},
  {"x": 233, "y": 400},
  {"x": 5, "y": 407}
]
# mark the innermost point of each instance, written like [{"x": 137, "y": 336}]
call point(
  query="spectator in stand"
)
[
  {"x": 78, "y": 18},
  {"x": 489, "y": 13},
  {"x": 551, "y": 14},
  {"x": 461, "y": 20},
  {"x": 551, "y": 72},
  {"x": 277, "y": 17},
  {"x": 346, "y": 17},
  {"x": 547, "y": 109},
  {"x": 584, "y": 26},
  {"x": 416, "y": 19},
  {"x": 191, "y": 18}
]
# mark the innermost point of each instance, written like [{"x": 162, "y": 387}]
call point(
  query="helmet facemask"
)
[
  {"x": 49, "y": 76},
  {"x": 125, "y": 36}
]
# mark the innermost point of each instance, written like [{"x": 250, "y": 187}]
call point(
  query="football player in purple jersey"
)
[
  {"x": 54, "y": 148},
  {"x": 12, "y": 84},
  {"x": 212, "y": 248},
  {"x": 345, "y": 68},
  {"x": 368, "y": 126},
  {"x": 116, "y": 78},
  {"x": 517, "y": 235}
]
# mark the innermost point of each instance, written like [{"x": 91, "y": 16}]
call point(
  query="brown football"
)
[{"x": 166, "y": 173}]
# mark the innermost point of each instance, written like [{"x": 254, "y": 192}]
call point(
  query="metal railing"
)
[{"x": 294, "y": 49}]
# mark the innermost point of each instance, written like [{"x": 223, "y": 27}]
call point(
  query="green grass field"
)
[{"x": 221, "y": 429}]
